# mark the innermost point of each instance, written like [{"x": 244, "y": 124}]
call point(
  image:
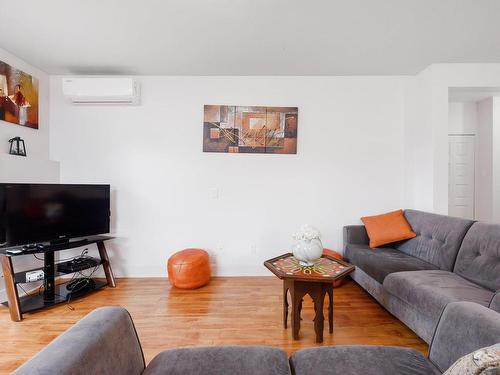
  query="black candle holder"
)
[{"x": 17, "y": 146}]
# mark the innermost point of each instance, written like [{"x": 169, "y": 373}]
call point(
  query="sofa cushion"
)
[
  {"x": 479, "y": 257},
  {"x": 387, "y": 228},
  {"x": 438, "y": 238},
  {"x": 383, "y": 261},
  {"x": 430, "y": 291},
  {"x": 360, "y": 359},
  {"x": 241, "y": 360}
]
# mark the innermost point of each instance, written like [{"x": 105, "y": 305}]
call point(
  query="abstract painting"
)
[
  {"x": 238, "y": 129},
  {"x": 18, "y": 97}
]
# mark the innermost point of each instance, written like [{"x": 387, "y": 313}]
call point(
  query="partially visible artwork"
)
[
  {"x": 18, "y": 97},
  {"x": 237, "y": 129}
]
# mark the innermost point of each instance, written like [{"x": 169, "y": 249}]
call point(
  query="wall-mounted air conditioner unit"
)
[{"x": 101, "y": 90}]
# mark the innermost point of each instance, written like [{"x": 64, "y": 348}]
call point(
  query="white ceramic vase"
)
[{"x": 307, "y": 251}]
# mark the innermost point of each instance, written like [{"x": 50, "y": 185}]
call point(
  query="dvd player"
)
[{"x": 77, "y": 264}]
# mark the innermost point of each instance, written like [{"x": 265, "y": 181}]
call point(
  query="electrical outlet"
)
[
  {"x": 253, "y": 249},
  {"x": 214, "y": 193}
]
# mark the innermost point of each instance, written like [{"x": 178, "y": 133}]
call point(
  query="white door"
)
[{"x": 461, "y": 176}]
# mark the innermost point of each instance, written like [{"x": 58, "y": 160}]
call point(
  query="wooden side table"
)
[{"x": 316, "y": 280}]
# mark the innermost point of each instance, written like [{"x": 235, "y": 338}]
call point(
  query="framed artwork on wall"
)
[
  {"x": 240, "y": 129},
  {"x": 18, "y": 97}
]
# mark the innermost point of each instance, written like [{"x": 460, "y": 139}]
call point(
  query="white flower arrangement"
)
[{"x": 307, "y": 233}]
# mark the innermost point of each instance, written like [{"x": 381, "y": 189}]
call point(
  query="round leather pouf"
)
[
  {"x": 189, "y": 269},
  {"x": 335, "y": 255}
]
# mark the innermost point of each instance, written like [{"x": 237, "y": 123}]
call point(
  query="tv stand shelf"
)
[
  {"x": 36, "y": 301},
  {"x": 52, "y": 293},
  {"x": 48, "y": 246},
  {"x": 20, "y": 277}
]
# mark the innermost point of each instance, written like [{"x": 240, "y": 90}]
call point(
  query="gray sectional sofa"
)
[
  {"x": 450, "y": 260},
  {"x": 105, "y": 342}
]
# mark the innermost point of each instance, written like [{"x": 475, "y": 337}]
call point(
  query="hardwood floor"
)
[{"x": 230, "y": 310}]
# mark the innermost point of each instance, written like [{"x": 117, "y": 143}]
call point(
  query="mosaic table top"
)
[{"x": 324, "y": 269}]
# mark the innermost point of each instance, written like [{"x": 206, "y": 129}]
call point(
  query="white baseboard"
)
[{"x": 229, "y": 270}]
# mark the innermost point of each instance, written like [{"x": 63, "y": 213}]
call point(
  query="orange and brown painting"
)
[
  {"x": 269, "y": 130},
  {"x": 18, "y": 97}
]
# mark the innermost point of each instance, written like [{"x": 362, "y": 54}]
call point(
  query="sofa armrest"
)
[
  {"x": 355, "y": 234},
  {"x": 103, "y": 342},
  {"x": 495, "y": 302},
  {"x": 463, "y": 328}
]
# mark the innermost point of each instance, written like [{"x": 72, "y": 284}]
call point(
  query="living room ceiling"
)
[{"x": 252, "y": 37}]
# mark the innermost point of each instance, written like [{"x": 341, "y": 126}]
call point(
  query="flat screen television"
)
[{"x": 34, "y": 213}]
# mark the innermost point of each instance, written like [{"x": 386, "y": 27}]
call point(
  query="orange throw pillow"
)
[{"x": 387, "y": 228}]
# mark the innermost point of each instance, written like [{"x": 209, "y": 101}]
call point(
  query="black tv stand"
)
[
  {"x": 49, "y": 270},
  {"x": 59, "y": 241},
  {"x": 52, "y": 293}
]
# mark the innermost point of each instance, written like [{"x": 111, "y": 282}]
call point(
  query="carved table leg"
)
[
  {"x": 318, "y": 292},
  {"x": 11, "y": 289},
  {"x": 318, "y": 296},
  {"x": 296, "y": 297},
  {"x": 300, "y": 308},
  {"x": 330, "y": 308},
  {"x": 285, "y": 304}
]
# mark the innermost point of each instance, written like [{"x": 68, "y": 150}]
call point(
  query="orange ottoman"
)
[
  {"x": 336, "y": 255},
  {"x": 189, "y": 269}
]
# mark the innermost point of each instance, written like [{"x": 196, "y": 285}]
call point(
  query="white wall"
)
[
  {"x": 496, "y": 159},
  {"x": 37, "y": 141},
  {"x": 488, "y": 157},
  {"x": 350, "y": 162},
  {"x": 36, "y": 167},
  {"x": 429, "y": 146},
  {"x": 462, "y": 118},
  {"x": 484, "y": 157},
  {"x": 418, "y": 144}
]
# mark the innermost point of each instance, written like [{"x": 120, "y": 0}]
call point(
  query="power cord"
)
[
  {"x": 25, "y": 292},
  {"x": 83, "y": 254},
  {"x": 85, "y": 280}
]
